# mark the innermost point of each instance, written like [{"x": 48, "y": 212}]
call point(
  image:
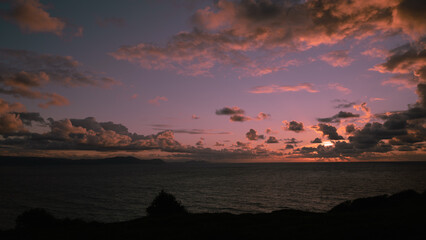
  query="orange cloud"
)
[
  {"x": 31, "y": 16},
  {"x": 284, "y": 88}
]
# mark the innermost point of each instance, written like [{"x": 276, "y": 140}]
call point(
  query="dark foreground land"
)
[{"x": 400, "y": 216}]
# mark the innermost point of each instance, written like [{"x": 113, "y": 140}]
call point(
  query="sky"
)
[{"x": 219, "y": 81}]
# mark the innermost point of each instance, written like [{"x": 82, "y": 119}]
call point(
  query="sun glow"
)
[{"x": 328, "y": 143}]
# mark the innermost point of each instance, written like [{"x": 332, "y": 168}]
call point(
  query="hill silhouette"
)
[
  {"x": 399, "y": 216},
  {"x": 65, "y": 161}
]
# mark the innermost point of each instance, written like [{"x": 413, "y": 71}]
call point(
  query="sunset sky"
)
[{"x": 222, "y": 81}]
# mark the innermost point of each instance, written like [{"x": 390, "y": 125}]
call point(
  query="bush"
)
[
  {"x": 36, "y": 218},
  {"x": 165, "y": 204}
]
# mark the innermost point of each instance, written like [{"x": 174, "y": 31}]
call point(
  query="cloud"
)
[
  {"x": 193, "y": 131},
  {"x": 350, "y": 128},
  {"x": 293, "y": 141},
  {"x": 293, "y": 126},
  {"x": 227, "y": 33},
  {"x": 316, "y": 140},
  {"x": 6, "y": 107},
  {"x": 252, "y": 135},
  {"x": 409, "y": 16},
  {"x": 284, "y": 88},
  {"x": 157, "y": 100},
  {"x": 238, "y": 115},
  {"x": 239, "y": 118},
  {"x": 407, "y": 63},
  {"x": 31, "y": 16},
  {"x": 89, "y": 134},
  {"x": 376, "y": 99},
  {"x": 22, "y": 71},
  {"x": 344, "y": 103},
  {"x": 401, "y": 131},
  {"x": 10, "y": 123},
  {"x": 218, "y": 144},
  {"x": 272, "y": 139},
  {"x": 337, "y": 117},
  {"x": 289, "y": 146},
  {"x": 329, "y": 131},
  {"x": 28, "y": 118},
  {"x": 270, "y": 131},
  {"x": 376, "y": 53},
  {"x": 338, "y": 58},
  {"x": 230, "y": 111},
  {"x": 339, "y": 87},
  {"x": 262, "y": 116},
  {"x": 195, "y": 117},
  {"x": 366, "y": 110}
]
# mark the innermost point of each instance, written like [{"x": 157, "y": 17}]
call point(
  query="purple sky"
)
[{"x": 237, "y": 81}]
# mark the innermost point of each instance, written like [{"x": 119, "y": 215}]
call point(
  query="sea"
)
[{"x": 111, "y": 193}]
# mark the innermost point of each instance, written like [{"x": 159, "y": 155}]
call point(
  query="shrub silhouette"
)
[
  {"x": 35, "y": 218},
  {"x": 165, "y": 204}
]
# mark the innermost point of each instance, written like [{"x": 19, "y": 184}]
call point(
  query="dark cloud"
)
[
  {"x": 289, "y": 146},
  {"x": 329, "y": 131},
  {"x": 224, "y": 34},
  {"x": 193, "y": 131},
  {"x": 293, "y": 141},
  {"x": 237, "y": 114},
  {"x": 239, "y": 118},
  {"x": 293, "y": 126},
  {"x": 337, "y": 117},
  {"x": 89, "y": 134},
  {"x": 350, "y": 128},
  {"x": 408, "y": 63},
  {"x": 272, "y": 139},
  {"x": 31, "y": 16},
  {"x": 252, "y": 135},
  {"x": 316, "y": 140},
  {"x": 21, "y": 71},
  {"x": 344, "y": 103},
  {"x": 28, "y": 117},
  {"x": 230, "y": 111}
]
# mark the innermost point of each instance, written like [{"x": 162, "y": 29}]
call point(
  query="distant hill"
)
[{"x": 65, "y": 161}]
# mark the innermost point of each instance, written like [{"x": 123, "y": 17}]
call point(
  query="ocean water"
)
[{"x": 122, "y": 192}]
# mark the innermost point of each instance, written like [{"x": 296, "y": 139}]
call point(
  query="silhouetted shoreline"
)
[{"x": 399, "y": 216}]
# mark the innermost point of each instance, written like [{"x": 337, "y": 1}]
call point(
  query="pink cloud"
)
[
  {"x": 284, "y": 88},
  {"x": 338, "y": 58},
  {"x": 376, "y": 53},
  {"x": 157, "y": 100},
  {"x": 339, "y": 87},
  {"x": 376, "y": 99}
]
